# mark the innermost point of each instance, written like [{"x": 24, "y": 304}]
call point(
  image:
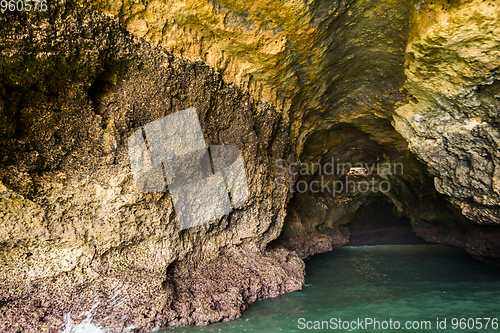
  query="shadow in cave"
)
[{"x": 377, "y": 222}]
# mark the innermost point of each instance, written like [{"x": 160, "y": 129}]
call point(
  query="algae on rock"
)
[
  {"x": 451, "y": 121},
  {"x": 74, "y": 231},
  {"x": 410, "y": 82}
]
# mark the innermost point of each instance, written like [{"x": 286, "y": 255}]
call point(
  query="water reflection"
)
[{"x": 416, "y": 282}]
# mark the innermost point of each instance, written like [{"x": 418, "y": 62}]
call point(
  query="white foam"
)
[{"x": 84, "y": 327}]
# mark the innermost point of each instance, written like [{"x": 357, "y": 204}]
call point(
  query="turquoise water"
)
[{"x": 415, "y": 283}]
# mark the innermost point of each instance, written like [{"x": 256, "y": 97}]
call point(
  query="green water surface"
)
[{"x": 415, "y": 283}]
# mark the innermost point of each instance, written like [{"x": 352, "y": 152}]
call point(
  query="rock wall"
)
[
  {"x": 451, "y": 120},
  {"x": 443, "y": 132},
  {"x": 75, "y": 234},
  {"x": 410, "y": 83}
]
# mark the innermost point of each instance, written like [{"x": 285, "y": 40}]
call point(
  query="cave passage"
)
[{"x": 377, "y": 222}]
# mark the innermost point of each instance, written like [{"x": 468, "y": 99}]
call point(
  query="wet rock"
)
[
  {"x": 451, "y": 122},
  {"x": 410, "y": 83},
  {"x": 75, "y": 234}
]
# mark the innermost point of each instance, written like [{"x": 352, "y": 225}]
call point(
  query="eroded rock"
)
[
  {"x": 74, "y": 230},
  {"x": 451, "y": 121},
  {"x": 410, "y": 83}
]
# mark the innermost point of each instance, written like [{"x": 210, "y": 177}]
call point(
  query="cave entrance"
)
[{"x": 378, "y": 222}]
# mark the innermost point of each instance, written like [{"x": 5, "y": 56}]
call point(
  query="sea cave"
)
[{"x": 364, "y": 139}]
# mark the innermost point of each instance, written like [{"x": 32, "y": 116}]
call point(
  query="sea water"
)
[{"x": 423, "y": 288}]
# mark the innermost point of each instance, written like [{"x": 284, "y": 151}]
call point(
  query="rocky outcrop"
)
[
  {"x": 451, "y": 120},
  {"x": 399, "y": 97},
  {"x": 75, "y": 233},
  {"x": 193, "y": 292}
]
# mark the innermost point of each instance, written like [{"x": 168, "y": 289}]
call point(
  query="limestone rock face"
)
[
  {"x": 293, "y": 85},
  {"x": 321, "y": 62},
  {"x": 74, "y": 230},
  {"x": 451, "y": 120}
]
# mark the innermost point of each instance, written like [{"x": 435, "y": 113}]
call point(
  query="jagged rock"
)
[
  {"x": 410, "y": 83},
  {"x": 451, "y": 121},
  {"x": 74, "y": 230}
]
